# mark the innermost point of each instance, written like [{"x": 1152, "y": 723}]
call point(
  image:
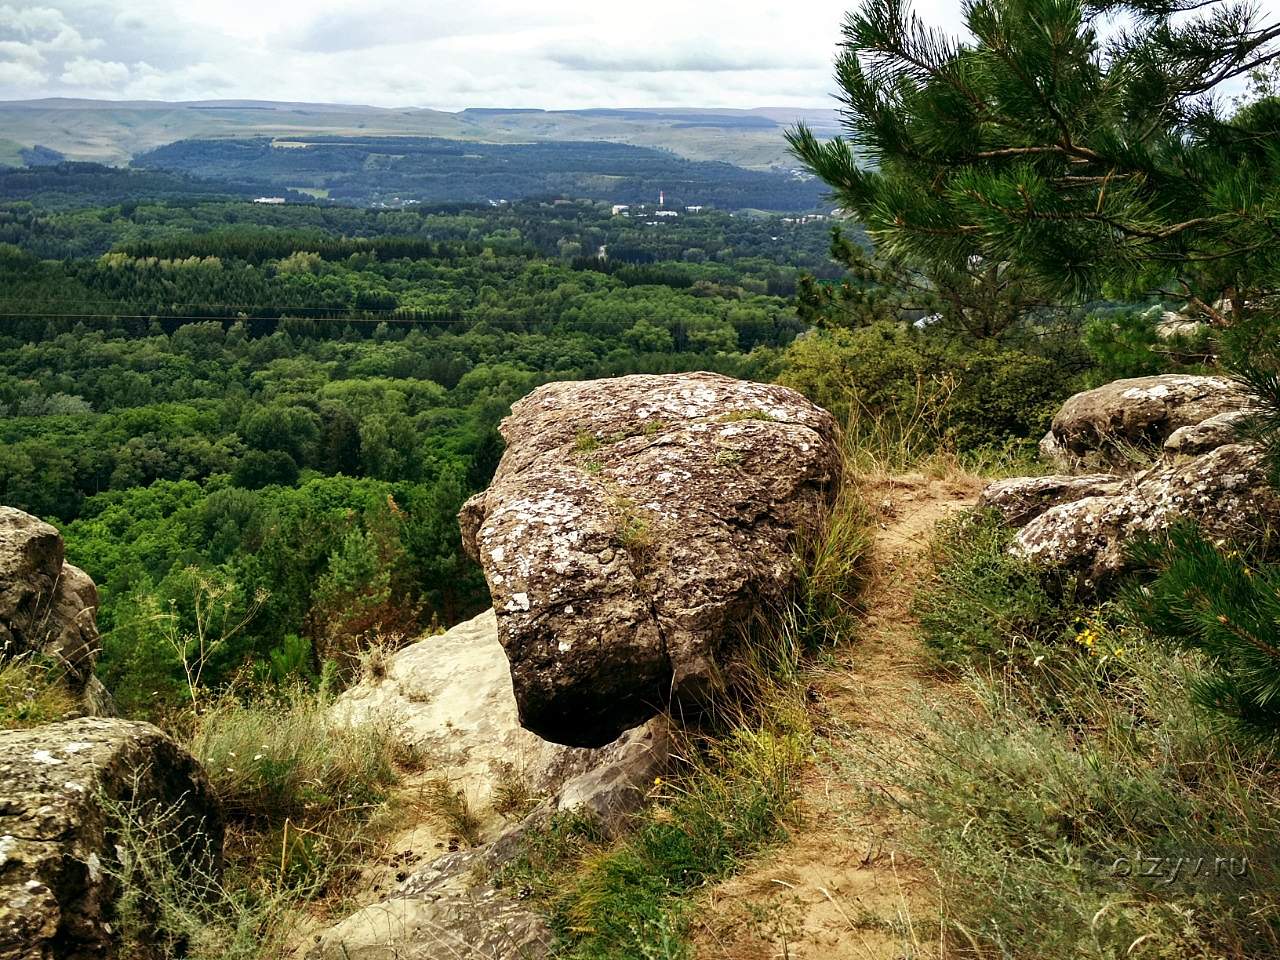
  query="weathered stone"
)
[
  {"x": 632, "y": 524},
  {"x": 1224, "y": 491},
  {"x": 58, "y": 863},
  {"x": 451, "y": 698},
  {"x": 47, "y": 606},
  {"x": 1197, "y": 438},
  {"x": 1093, "y": 427},
  {"x": 617, "y": 781},
  {"x": 1021, "y": 499},
  {"x": 482, "y": 923}
]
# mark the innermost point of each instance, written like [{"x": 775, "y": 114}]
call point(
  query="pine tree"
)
[
  {"x": 1083, "y": 146},
  {"x": 1215, "y": 600}
]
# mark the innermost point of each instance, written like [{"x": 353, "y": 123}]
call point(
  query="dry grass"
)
[
  {"x": 32, "y": 693},
  {"x": 450, "y": 808}
]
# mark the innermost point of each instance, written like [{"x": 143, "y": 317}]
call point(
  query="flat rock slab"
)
[
  {"x": 633, "y": 525},
  {"x": 450, "y": 697}
]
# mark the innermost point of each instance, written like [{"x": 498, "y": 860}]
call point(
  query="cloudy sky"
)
[{"x": 446, "y": 55}]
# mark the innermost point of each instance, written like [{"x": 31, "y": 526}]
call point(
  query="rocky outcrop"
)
[
  {"x": 1225, "y": 492},
  {"x": 1094, "y": 428},
  {"x": 1020, "y": 499},
  {"x": 451, "y": 698},
  {"x": 47, "y": 606},
  {"x": 1198, "y": 438},
  {"x": 59, "y": 786},
  {"x": 1086, "y": 522},
  {"x": 632, "y": 524}
]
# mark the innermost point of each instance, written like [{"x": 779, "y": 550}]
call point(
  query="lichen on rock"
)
[
  {"x": 632, "y": 525},
  {"x": 1087, "y": 522},
  {"x": 59, "y": 868}
]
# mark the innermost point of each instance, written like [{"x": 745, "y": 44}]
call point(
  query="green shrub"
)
[
  {"x": 1213, "y": 599},
  {"x": 867, "y": 372},
  {"x": 1004, "y": 396},
  {"x": 973, "y": 397},
  {"x": 982, "y": 604}
]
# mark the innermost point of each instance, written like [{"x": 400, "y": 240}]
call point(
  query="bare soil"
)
[{"x": 840, "y": 889}]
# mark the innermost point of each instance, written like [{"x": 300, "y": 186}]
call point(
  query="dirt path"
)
[{"x": 838, "y": 889}]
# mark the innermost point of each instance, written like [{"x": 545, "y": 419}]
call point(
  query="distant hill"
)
[
  {"x": 398, "y": 171},
  {"x": 72, "y": 185},
  {"x": 114, "y": 132}
]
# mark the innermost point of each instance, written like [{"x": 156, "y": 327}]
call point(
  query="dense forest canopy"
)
[{"x": 297, "y": 398}]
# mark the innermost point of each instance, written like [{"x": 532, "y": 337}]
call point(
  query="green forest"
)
[
  {"x": 1001, "y": 679},
  {"x": 393, "y": 171},
  {"x": 298, "y": 399}
]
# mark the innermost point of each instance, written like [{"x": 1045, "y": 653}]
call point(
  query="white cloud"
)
[
  {"x": 20, "y": 77},
  {"x": 199, "y": 81},
  {"x": 557, "y": 54},
  {"x": 97, "y": 75},
  {"x": 15, "y": 51}
]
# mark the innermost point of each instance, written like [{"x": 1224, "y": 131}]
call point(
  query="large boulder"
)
[
  {"x": 62, "y": 786},
  {"x": 632, "y": 526},
  {"x": 47, "y": 606},
  {"x": 1096, "y": 428}
]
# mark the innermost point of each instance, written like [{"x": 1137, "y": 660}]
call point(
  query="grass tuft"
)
[
  {"x": 451, "y": 809},
  {"x": 983, "y": 605},
  {"x": 32, "y": 693},
  {"x": 279, "y": 757}
]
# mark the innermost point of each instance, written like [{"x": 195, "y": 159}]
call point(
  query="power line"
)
[{"x": 442, "y": 321}]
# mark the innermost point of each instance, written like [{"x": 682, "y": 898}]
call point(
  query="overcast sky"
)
[
  {"x": 447, "y": 55},
  {"x": 430, "y": 53}
]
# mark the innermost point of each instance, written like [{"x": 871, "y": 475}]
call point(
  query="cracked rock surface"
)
[
  {"x": 58, "y": 864},
  {"x": 632, "y": 526}
]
